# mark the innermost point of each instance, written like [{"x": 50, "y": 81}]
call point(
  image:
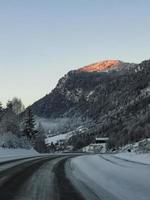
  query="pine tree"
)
[
  {"x": 9, "y": 106},
  {"x": 1, "y": 107},
  {"x": 1, "y": 110},
  {"x": 39, "y": 140},
  {"x": 29, "y": 129}
]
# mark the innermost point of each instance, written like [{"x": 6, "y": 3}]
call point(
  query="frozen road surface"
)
[{"x": 74, "y": 177}]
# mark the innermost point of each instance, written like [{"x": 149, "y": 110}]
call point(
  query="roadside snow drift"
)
[
  {"x": 109, "y": 178},
  {"x": 10, "y": 154}
]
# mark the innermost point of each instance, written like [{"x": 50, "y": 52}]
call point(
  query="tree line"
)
[{"x": 18, "y": 127}]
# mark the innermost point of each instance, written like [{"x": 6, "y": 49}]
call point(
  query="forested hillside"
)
[{"x": 116, "y": 99}]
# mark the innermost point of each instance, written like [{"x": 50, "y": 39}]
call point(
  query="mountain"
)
[
  {"x": 113, "y": 94},
  {"x": 77, "y": 86},
  {"x": 99, "y": 66}
]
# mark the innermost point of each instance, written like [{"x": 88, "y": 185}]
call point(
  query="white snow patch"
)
[
  {"x": 109, "y": 177},
  {"x": 10, "y": 154},
  {"x": 135, "y": 157},
  {"x": 90, "y": 93},
  {"x": 57, "y": 138}
]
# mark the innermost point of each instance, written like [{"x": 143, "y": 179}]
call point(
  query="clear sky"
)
[{"x": 41, "y": 40}]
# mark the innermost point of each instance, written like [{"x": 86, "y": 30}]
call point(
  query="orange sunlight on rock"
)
[{"x": 99, "y": 65}]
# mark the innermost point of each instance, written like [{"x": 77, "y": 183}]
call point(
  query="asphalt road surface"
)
[
  {"x": 72, "y": 177},
  {"x": 39, "y": 178}
]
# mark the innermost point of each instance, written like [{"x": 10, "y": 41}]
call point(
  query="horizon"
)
[
  {"x": 42, "y": 41},
  {"x": 76, "y": 68}
]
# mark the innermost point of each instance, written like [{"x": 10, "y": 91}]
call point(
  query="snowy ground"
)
[
  {"x": 10, "y": 154},
  {"x": 57, "y": 138},
  {"x": 135, "y": 157},
  {"x": 110, "y": 177}
]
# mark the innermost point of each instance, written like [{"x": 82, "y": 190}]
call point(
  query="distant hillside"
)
[
  {"x": 77, "y": 88},
  {"x": 114, "y": 94}
]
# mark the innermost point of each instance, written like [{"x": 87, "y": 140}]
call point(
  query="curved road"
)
[
  {"x": 63, "y": 177},
  {"x": 38, "y": 178}
]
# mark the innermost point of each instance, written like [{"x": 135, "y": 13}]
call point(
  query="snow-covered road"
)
[
  {"x": 41, "y": 177},
  {"x": 106, "y": 177},
  {"x": 76, "y": 177}
]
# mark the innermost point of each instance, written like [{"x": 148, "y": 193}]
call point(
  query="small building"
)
[
  {"x": 99, "y": 146},
  {"x": 101, "y": 140}
]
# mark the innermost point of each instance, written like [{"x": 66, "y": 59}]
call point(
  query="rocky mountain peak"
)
[{"x": 99, "y": 66}]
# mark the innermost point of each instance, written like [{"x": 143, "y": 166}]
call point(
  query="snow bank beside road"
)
[
  {"x": 135, "y": 157},
  {"x": 11, "y": 154},
  {"x": 107, "y": 177}
]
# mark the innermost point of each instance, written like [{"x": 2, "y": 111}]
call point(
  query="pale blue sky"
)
[{"x": 41, "y": 40}]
